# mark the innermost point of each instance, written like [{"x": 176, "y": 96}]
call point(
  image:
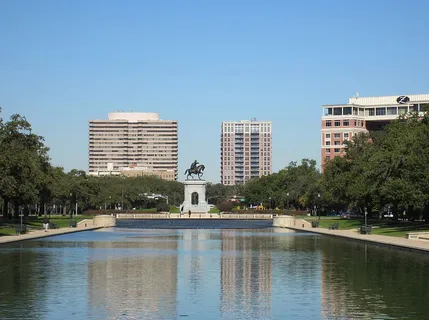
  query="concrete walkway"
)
[
  {"x": 42, "y": 234},
  {"x": 410, "y": 244}
]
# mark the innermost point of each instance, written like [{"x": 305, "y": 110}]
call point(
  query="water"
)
[{"x": 156, "y": 273}]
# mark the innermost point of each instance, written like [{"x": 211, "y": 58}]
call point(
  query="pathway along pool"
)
[{"x": 134, "y": 273}]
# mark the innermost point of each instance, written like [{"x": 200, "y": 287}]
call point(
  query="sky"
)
[{"x": 63, "y": 63}]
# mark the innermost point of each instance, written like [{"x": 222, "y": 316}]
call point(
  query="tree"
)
[
  {"x": 296, "y": 184},
  {"x": 24, "y": 163}
]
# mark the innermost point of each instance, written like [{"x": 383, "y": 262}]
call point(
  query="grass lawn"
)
[
  {"x": 383, "y": 227},
  {"x": 7, "y": 227},
  {"x": 214, "y": 210},
  {"x": 343, "y": 224},
  {"x": 400, "y": 229},
  {"x": 174, "y": 209}
]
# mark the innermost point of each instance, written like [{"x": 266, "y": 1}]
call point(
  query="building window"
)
[
  {"x": 337, "y": 143},
  {"x": 392, "y": 110},
  {"x": 402, "y": 110},
  {"x": 328, "y": 150},
  {"x": 346, "y": 123},
  {"x": 371, "y": 112},
  {"x": 336, "y": 150},
  {"x": 338, "y": 111},
  {"x": 355, "y": 123},
  {"x": 328, "y": 143},
  {"x": 327, "y": 158},
  {"x": 346, "y": 136},
  {"x": 337, "y": 123},
  {"x": 337, "y": 135},
  {"x": 328, "y": 136},
  {"x": 380, "y": 111},
  {"x": 328, "y": 111},
  {"x": 347, "y": 111},
  {"x": 328, "y": 123}
]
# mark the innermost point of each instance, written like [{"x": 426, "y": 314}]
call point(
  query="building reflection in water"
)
[
  {"x": 246, "y": 275},
  {"x": 198, "y": 273},
  {"x": 132, "y": 280}
]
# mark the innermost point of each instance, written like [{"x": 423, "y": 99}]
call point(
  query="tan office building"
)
[
  {"x": 133, "y": 140},
  {"x": 246, "y": 150}
]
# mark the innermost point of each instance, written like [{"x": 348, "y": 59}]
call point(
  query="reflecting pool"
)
[{"x": 135, "y": 273}]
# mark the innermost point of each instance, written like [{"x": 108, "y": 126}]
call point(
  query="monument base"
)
[{"x": 195, "y": 197}]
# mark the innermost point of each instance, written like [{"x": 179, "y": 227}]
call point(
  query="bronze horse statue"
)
[{"x": 198, "y": 171}]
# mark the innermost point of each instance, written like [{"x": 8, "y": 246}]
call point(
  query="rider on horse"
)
[{"x": 193, "y": 167}]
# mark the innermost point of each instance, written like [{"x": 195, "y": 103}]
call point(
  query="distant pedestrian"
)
[
  {"x": 46, "y": 223},
  {"x": 189, "y": 213}
]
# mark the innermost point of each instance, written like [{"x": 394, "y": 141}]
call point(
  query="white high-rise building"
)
[
  {"x": 133, "y": 141},
  {"x": 246, "y": 150}
]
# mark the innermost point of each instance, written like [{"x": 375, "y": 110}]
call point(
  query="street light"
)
[
  {"x": 318, "y": 201},
  {"x": 287, "y": 195},
  {"x": 71, "y": 210},
  {"x": 270, "y": 202},
  {"x": 122, "y": 199},
  {"x": 366, "y": 213}
]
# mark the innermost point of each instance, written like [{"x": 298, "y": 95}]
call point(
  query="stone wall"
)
[
  {"x": 290, "y": 222},
  {"x": 85, "y": 223},
  {"x": 104, "y": 221}
]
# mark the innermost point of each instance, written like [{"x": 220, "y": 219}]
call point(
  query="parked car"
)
[{"x": 345, "y": 215}]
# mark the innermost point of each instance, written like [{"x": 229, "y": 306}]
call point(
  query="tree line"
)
[{"x": 381, "y": 171}]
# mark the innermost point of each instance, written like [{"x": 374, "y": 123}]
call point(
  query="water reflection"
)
[
  {"x": 209, "y": 274},
  {"x": 246, "y": 274},
  {"x": 365, "y": 281},
  {"x": 134, "y": 283}
]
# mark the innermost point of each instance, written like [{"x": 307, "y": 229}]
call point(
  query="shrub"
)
[
  {"x": 162, "y": 206},
  {"x": 225, "y": 206}
]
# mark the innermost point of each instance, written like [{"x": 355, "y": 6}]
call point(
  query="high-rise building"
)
[
  {"x": 340, "y": 122},
  {"x": 246, "y": 150},
  {"x": 133, "y": 141}
]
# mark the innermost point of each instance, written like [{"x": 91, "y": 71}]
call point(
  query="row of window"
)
[
  {"x": 241, "y": 134},
  {"x": 336, "y": 143},
  {"x": 336, "y": 150},
  {"x": 337, "y": 136},
  {"x": 130, "y": 136},
  {"x": 344, "y": 123},
  {"x": 376, "y": 111}
]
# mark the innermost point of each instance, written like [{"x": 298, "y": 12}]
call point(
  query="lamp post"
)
[
  {"x": 287, "y": 197},
  {"x": 71, "y": 210},
  {"x": 318, "y": 202},
  {"x": 366, "y": 213},
  {"x": 122, "y": 199},
  {"x": 270, "y": 203}
]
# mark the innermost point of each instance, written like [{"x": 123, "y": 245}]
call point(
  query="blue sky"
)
[{"x": 63, "y": 63}]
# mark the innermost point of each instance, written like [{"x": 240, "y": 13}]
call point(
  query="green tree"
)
[{"x": 24, "y": 163}]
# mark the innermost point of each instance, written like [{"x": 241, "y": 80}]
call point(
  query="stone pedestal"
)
[{"x": 195, "y": 197}]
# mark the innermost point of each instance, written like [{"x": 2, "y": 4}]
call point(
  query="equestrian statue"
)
[{"x": 195, "y": 169}]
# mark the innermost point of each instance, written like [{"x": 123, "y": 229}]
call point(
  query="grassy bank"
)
[
  {"x": 7, "y": 227},
  {"x": 384, "y": 227}
]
